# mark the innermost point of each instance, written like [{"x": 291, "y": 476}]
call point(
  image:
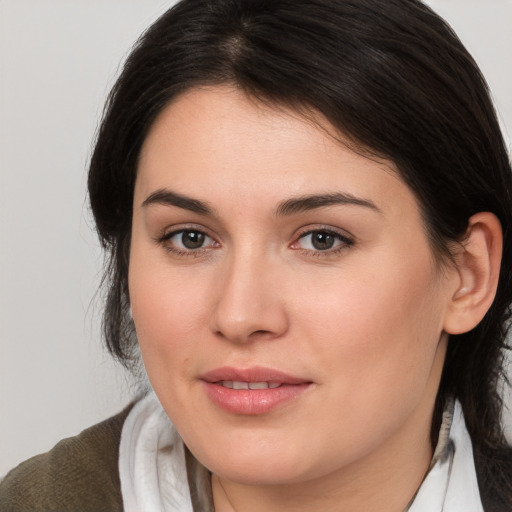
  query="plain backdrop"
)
[{"x": 57, "y": 61}]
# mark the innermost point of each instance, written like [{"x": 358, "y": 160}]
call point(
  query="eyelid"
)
[
  {"x": 170, "y": 231},
  {"x": 346, "y": 238},
  {"x": 313, "y": 228},
  {"x": 167, "y": 234}
]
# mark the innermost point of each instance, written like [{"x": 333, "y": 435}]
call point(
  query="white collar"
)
[
  {"x": 451, "y": 484},
  {"x": 152, "y": 464},
  {"x": 153, "y": 472}
]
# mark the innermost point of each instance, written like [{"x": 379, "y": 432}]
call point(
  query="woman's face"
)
[{"x": 267, "y": 256}]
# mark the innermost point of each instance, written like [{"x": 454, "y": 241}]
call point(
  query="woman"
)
[{"x": 307, "y": 206}]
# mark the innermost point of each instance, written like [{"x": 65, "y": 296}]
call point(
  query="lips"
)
[{"x": 252, "y": 391}]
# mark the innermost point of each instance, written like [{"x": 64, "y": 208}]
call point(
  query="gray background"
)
[{"x": 57, "y": 62}]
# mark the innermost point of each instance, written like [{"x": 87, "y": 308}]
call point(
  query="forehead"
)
[{"x": 218, "y": 142}]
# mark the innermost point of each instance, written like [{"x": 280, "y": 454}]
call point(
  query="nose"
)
[{"x": 250, "y": 303}]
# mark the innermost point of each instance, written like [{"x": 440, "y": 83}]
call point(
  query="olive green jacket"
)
[{"x": 78, "y": 474}]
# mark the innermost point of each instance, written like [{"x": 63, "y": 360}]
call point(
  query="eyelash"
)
[
  {"x": 166, "y": 237},
  {"x": 344, "y": 242}
]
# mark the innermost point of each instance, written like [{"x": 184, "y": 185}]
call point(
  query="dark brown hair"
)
[{"x": 392, "y": 77}]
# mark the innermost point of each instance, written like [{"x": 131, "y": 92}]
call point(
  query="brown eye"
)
[
  {"x": 321, "y": 240},
  {"x": 192, "y": 239},
  {"x": 187, "y": 240}
]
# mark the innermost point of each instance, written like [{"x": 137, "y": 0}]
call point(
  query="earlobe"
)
[{"x": 478, "y": 266}]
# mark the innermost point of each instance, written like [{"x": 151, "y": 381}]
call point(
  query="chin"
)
[
  {"x": 274, "y": 472},
  {"x": 258, "y": 463}
]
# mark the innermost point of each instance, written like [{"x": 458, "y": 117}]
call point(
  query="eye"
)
[
  {"x": 322, "y": 240},
  {"x": 188, "y": 240}
]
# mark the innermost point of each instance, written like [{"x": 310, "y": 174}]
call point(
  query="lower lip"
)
[{"x": 253, "y": 402}]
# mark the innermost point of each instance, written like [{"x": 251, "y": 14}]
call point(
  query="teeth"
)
[
  {"x": 234, "y": 384},
  {"x": 258, "y": 385}
]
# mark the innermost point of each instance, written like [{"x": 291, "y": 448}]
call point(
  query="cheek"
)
[
  {"x": 375, "y": 341},
  {"x": 378, "y": 329},
  {"x": 167, "y": 313}
]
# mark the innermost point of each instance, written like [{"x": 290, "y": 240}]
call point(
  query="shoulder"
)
[{"x": 79, "y": 473}]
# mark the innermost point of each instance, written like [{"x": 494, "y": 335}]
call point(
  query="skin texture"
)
[{"x": 364, "y": 322}]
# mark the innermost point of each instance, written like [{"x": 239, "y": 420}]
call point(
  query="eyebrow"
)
[
  {"x": 311, "y": 202},
  {"x": 169, "y": 198},
  {"x": 289, "y": 207}
]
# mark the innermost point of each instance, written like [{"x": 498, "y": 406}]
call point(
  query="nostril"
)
[
  {"x": 252, "y": 336},
  {"x": 259, "y": 333}
]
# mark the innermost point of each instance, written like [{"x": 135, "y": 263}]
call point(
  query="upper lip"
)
[{"x": 252, "y": 374}]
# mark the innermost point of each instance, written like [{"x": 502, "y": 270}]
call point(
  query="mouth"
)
[{"x": 253, "y": 391}]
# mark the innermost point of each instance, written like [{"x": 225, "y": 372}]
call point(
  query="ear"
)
[{"x": 478, "y": 267}]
